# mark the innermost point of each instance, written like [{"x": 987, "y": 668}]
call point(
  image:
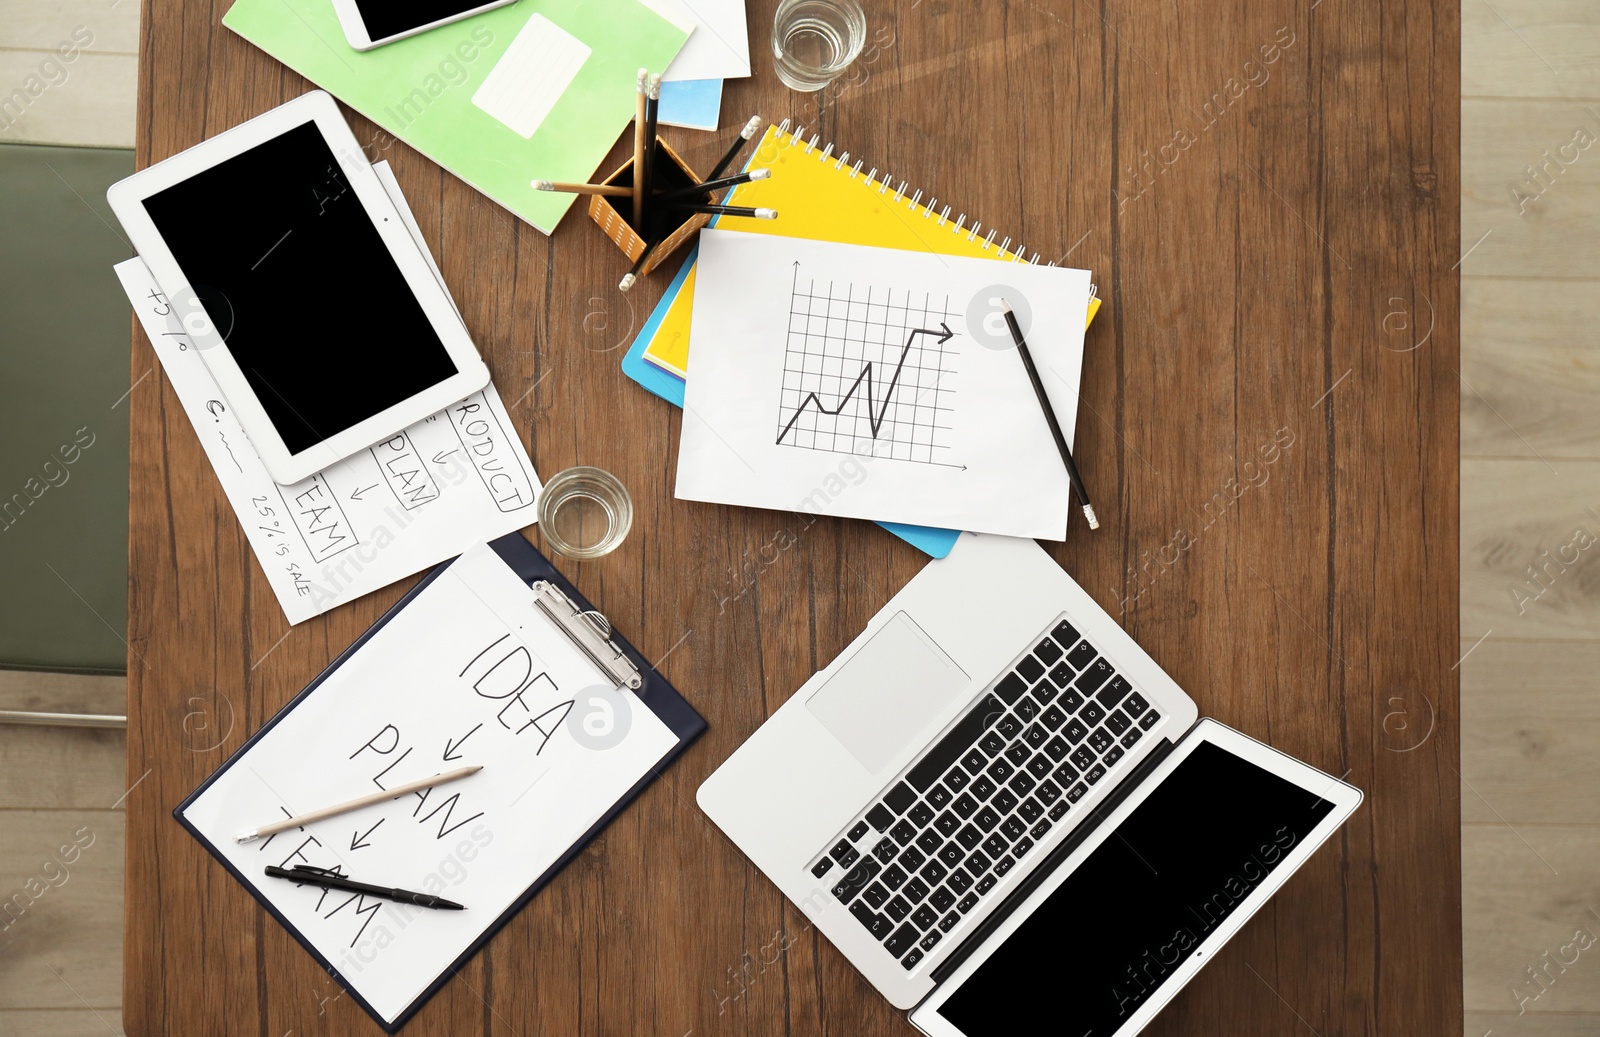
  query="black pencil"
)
[
  {"x": 651, "y": 110},
  {"x": 1050, "y": 418},
  {"x": 638, "y": 264},
  {"x": 726, "y": 210},
  {"x": 696, "y": 190},
  {"x": 745, "y": 134}
]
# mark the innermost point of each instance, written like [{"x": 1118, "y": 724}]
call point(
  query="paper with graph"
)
[{"x": 879, "y": 383}]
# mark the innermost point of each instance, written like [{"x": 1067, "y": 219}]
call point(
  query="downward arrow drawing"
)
[
  {"x": 874, "y": 420},
  {"x": 451, "y": 746},
  {"x": 357, "y": 844},
  {"x": 441, "y": 455},
  {"x": 356, "y": 494}
]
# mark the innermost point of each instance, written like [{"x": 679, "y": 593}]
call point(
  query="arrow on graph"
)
[
  {"x": 875, "y": 420},
  {"x": 357, "y": 844}
]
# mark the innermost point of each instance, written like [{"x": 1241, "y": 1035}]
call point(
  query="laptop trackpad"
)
[{"x": 887, "y": 692}]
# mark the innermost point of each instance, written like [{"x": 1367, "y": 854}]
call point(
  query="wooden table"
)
[{"x": 1269, "y": 202}]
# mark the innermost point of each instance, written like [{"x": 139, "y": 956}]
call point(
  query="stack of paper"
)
[{"x": 718, "y": 49}]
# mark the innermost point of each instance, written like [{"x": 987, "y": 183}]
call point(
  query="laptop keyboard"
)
[{"x": 922, "y": 856}]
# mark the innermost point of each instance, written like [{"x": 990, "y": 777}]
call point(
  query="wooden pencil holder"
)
[{"x": 615, "y": 215}]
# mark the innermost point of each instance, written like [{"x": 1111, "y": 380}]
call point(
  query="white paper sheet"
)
[
  {"x": 468, "y": 673},
  {"x": 451, "y": 480},
  {"x": 929, "y": 430},
  {"x": 719, "y": 47}
]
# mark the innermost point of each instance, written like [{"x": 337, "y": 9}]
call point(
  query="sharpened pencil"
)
[
  {"x": 727, "y": 210},
  {"x": 609, "y": 190},
  {"x": 652, "y": 106},
  {"x": 355, "y": 804},
  {"x": 1050, "y": 417},
  {"x": 643, "y": 83},
  {"x": 709, "y": 186}
]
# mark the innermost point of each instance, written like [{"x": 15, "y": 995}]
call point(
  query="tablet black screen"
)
[{"x": 293, "y": 274}]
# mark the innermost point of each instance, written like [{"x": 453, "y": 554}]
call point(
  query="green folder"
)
[{"x": 539, "y": 89}]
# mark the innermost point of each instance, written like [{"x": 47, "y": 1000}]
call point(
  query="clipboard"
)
[{"x": 571, "y": 612}]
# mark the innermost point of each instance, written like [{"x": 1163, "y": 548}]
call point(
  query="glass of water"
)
[
  {"x": 815, "y": 40},
  {"x": 585, "y": 512}
]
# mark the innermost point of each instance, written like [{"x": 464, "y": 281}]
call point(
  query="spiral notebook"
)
[{"x": 824, "y": 197}]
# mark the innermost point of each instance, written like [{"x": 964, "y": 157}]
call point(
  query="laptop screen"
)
[{"x": 1142, "y": 901}]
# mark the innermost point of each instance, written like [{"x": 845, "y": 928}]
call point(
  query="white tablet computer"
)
[{"x": 296, "y": 280}]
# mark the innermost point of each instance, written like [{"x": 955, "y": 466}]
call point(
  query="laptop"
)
[{"x": 993, "y": 789}]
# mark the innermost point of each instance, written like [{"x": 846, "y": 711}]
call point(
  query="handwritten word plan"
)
[
  {"x": 455, "y": 478},
  {"x": 470, "y": 672}
]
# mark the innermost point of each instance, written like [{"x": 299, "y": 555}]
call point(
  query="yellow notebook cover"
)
[{"x": 824, "y": 197}]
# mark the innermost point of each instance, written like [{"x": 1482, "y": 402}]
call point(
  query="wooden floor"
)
[{"x": 1530, "y": 488}]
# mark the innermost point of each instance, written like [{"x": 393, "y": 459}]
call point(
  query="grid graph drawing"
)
[{"x": 867, "y": 370}]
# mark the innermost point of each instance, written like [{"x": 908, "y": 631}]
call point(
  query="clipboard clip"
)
[{"x": 590, "y": 632}]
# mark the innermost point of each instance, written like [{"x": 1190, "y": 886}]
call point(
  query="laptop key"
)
[
  {"x": 1091, "y": 713},
  {"x": 845, "y": 854},
  {"x": 912, "y": 859},
  {"x": 875, "y": 895},
  {"x": 925, "y": 917},
  {"x": 967, "y": 903},
  {"x": 976, "y": 761},
  {"x": 1026, "y": 708},
  {"x": 938, "y": 796},
  {"x": 1029, "y": 812},
  {"x": 916, "y": 890},
  {"x": 903, "y": 939},
  {"x": 1083, "y": 758},
  {"x": 856, "y": 879},
  {"x": 1059, "y": 811},
  {"x": 957, "y": 779},
  {"x": 1101, "y": 740},
  {"x": 1133, "y": 735},
  {"x": 1039, "y": 766},
  {"x": 1058, "y": 748},
  {"x": 1118, "y": 722},
  {"x": 897, "y": 908},
  {"x": 1149, "y": 720},
  {"x": 969, "y": 837},
  {"x": 946, "y": 824},
  {"x": 820, "y": 868},
  {"x": 1047, "y": 792},
  {"x": 929, "y": 841},
  {"x": 959, "y": 882},
  {"x": 982, "y": 787},
  {"x": 1065, "y": 633},
  {"x": 1009, "y": 688},
  {"x": 1071, "y": 701},
  {"x": 909, "y": 962},
  {"x": 1047, "y": 652},
  {"x": 875, "y": 923},
  {"x": 1022, "y": 784},
  {"x": 893, "y": 876},
  {"x": 1001, "y": 769},
  {"x": 1017, "y": 754},
  {"x": 1038, "y": 830},
  {"x": 1035, "y": 736},
  {"x": 903, "y": 832},
  {"x": 991, "y": 743},
  {"x": 1076, "y": 731},
  {"x": 1021, "y": 846},
  {"x": 929, "y": 940},
  {"x": 996, "y": 845},
  {"x": 1013, "y": 828},
  {"x": 1095, "y": 774},
  {"x": 1061, "y": 674},
  {"x": 1065, "y": 774},
  {"x": 1043, "y": 692},
  {"x": 920, "y": 815},
  {"x": 949, "y": 922},
  {"x": 1003, "y": 865},
  {"x": 950, "y": 854},
  {"x": 1007, "y": 727},
  {"x": 1081, "y": 655},
  {"x": 900, "y": 797},
  {"x": 858, "y": 831},
  {"x": 978, "y": 862},
  {"x": 986, "y": 819},
  {"x": 1077, "y": 792},
  {"x": 942, "y": 899},
  {"x": 1135, "y": 705},
  {"x": 885, "y": 851},
  {"x": 964, "y": 805},
  {"x": 1004, "y": 801},
  {"x": 1030, "y": 668},
  {"x": 985, "y": 884},
  {"x": 880, "y": 817},
  {"x": 933, "y": 873},
  {"x": 1112, "y": 755},
  {"x": 1089, "y": 680},
  {"x": 1052, "y": 717},
  {"x": 1113, "y": 692}
]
